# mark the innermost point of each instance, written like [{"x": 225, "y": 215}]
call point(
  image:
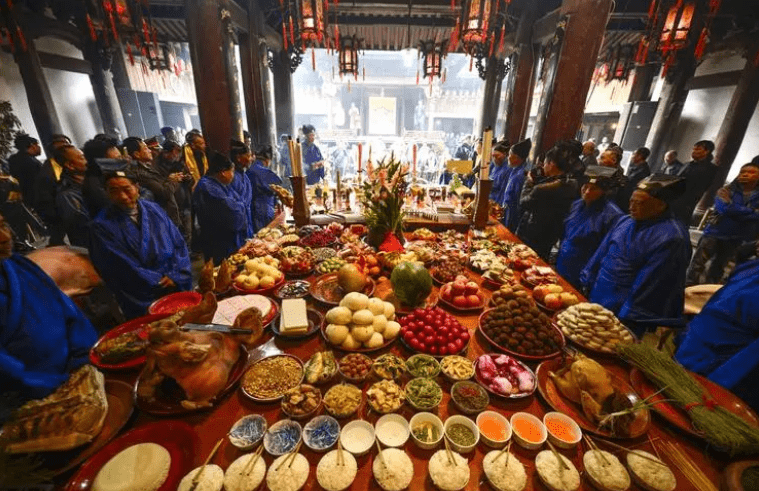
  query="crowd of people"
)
[{"x": 141, "y": 208}]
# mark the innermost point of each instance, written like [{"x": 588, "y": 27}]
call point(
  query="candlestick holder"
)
[
  {"x": 482, "y": 203},
  {"x": 301, "y": 210}
]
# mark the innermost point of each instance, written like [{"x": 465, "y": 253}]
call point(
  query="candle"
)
[
  {"x": 414, "y": 153},
  {"x": 487, "y": 140},
  {"x": 291, "y": 151},
  {"x": 359, "y": 158}
]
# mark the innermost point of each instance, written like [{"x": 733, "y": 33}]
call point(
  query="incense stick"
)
[
  {"x": 252, "y": 462},
  {"x": 196, "y": 479},
  {"x": 620, "y": 447},
  {"x": 694, "y": 474},
  {"x": 557, "y": 455},
  {"x": 593, "y": 446}
]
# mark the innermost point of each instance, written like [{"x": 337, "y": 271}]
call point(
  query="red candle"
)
[
  {"x": 359, "y": 158},
  {"x": 414, "y": 150}
]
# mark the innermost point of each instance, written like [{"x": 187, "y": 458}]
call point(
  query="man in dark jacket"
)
[
  {"x": 24, "y": 165},
  {"x": 148, "y": 176},
  {"x": 546, "y": 201},
  {"x": 69, "y": 199},
  {"x": 45, "y": 188},
  {"x": 637, "y": 171},
  {"x": 699, "y": 174},
  {"x": 672, "y": 166}
]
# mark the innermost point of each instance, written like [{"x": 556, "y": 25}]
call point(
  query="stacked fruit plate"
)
[
  {"x": 462, "y": 295},
  {"x": 434, "y": 332},
  {"x": 553, "y": 297}
]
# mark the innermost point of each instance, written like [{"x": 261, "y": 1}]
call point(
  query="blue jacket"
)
[
  {"x": 737, "y": 219},
  {"x": 311, "y": 155},
  {"x": 222, "y": 218},
  {"x": 500, "y": 177},
  {"x": 43, "y": 335},
  {"x": 264, "y": 199},
  {"x": 133, "y": 258},
  {"x": 584, "y": 229},
  {"x": 638, "y": 272},
  {"x": 511, "y": 195},
  {"x": 241, "y": 185},
  {"x": 722, "y": 342}
]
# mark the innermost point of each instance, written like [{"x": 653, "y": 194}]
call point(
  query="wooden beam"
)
[
  {"x": 65, "y": 63},
  {"x": 239, "y": 15},
  {"x": 545, "y": 27},
  {"x": 724, "y": 79}
]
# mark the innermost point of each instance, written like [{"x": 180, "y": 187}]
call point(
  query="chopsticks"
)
[
  {"x": 504, "y": 449},
  {"x": 291, "y": 456},
  {"x": 252, "y": 462},
  {"x": 593, "y": 446},
  {"x": 620, "y": 447},
  {"x": 196, "y": 479},
  {"x": 448, "y": 451},
  {"x": 340, "y": 456},
  {"x": 379, "y": 454},
  {"x": 558, "y": 455}
]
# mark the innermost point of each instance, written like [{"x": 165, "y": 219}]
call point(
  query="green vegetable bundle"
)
[{"x": 718, "y": 426}]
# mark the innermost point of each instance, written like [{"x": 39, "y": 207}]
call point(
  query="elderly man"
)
[
  {"x": 517, "y": 174},
  {"x": 699, "y": 174},
  {"x": 43, "y": 335},
  {"x": 137, "y": 249},
  {"x": 672, "y": 166},
  {"x": 589, "y": 154},
  {"x": 638, "y": 271},
  {"x": 69, "y": 199},
  {"x": 24, "y": 165},
  {"x": 499, "y": 171},
  {"x": 736, "y": 220},
  {"x": 195, "y": 155},
  {"x": 637, "y": 171},
  {"x": 45, "y": 187}
]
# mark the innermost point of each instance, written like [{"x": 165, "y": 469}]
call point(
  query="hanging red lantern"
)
[
  {"x": 91, "y": 26},
  {"x": 433, "y": 54},
  {"x": 129, "y": 53},
  {"x": 311, "y": 21},
  {"x": 348, "y": 56},
  {"x": 476, "y": 24}
]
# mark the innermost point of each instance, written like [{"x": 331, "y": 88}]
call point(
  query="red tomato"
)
[
  {"x": 414, "y": 343},
  {"x": 429, "y": 330},
  {"x": 408, "y": 336},
  {"x": 418, "y": 312},
  {"x": 465, "y": 336},
  {"x": 433, "y": 350},
  {"x": 452, "y": 348},
  {"x": 443, "y": 350},
  {"x": 459, "y": 344},
  {"x": 444, "y": 330},
  {"x": 429, "y": 340},
  {"x": 422, "y": 346}
]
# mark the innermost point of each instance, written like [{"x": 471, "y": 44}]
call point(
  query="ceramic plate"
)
[
  {"x": 174, "y": 302},
  {"x": 139, "y": 324}
]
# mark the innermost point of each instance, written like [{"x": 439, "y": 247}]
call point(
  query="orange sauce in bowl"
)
[
  {"x": 493, "y": 428},
  {"x": 561, "y": 430},
  {"x": 528, "y": 430}
]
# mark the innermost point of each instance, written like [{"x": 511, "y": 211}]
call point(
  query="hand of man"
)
[
  {"x": 166, "y": 282},
  {"x": 176, "y": 177},
  {"x": 724, "y": 195}
]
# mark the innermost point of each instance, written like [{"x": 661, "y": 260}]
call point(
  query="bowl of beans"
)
[{"x": 355, "y": 367}]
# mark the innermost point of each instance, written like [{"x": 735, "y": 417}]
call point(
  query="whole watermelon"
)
[{"x": 412, "y": 283}]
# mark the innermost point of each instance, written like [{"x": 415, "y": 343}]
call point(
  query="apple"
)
[
  {"x": 446, "y": 293},
  {"x": 474, "y": 300},
  {"x": 458, "y": 287},
  {"x": 554, "y": 288},
  {"x": 471, "y": 288},
  {"x": 460, "y": 301},
  {"x": 461, "y": 278},
  {"x": 540, "y": 292},
  {"x": 553, "y": 301}
]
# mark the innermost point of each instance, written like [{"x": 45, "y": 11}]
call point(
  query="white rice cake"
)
[
  {"x": 141, "y": 467},
  {"x": 229, "y": 308}
]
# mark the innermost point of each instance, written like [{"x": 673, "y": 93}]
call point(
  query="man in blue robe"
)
[
  {"x": 242, "y": 157},
  {"x": 313, "y": 162},
  {"x": 588, "y": 222},
  {"x": 264, "y": 199},
  {"x": 43, "y": 335},
  {"x": 138, "y": 250},
  {"x": 638, "y": 271},
  {"x": 221, "y": 215},
  {"x": 499, "y": 172},
  {"x": 722, "y": 341},
  {"x": 517, "y": 175}
]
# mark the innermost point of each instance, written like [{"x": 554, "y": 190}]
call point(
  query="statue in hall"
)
[{"x": 420, "y": 116}]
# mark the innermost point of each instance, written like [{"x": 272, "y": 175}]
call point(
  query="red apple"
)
[
  {"x": 461, "y": 278},
  {"x": 446, "y": 293},
  {"x": 460, "y": 301},
  {"x": 474, "y": 301},
  {"x": 540, "y": 292},
  {"x": 471, "y": 288},
  {"x": 458, "y": 287}
]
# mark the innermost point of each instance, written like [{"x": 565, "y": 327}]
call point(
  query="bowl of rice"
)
[
  {"x": 649, "y": 474},
  {"x": 240, "y": 476},
  {"x": 212, "y": 479},
  {"x": 394, "y": 470},
  {"x": 447, "y": 474},
  {"x": 554, "y": 475},
  {"x": 336, "y": 473},
  {"x": 504, "y": 471},
  {"x": 289, "y": 476},
  {"x": 605, "y": 471}
]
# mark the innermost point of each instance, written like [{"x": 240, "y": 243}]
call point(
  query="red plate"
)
[
  {"x": 260, "y": 291},
  {"x": 178, "y": 438},
  {"x": 132, "y": 325},
  {"x": 519, "y": 355},
  {"x": 520, "y": 395},
  {"x": 679, "y": 417},
  {"x": 174, "y": 302},
  {"x": 167, "y": 404},
  {"x": 558, "y": 402}
]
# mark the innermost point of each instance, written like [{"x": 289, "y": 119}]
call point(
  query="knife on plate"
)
[{"x": 214, "y": 327}]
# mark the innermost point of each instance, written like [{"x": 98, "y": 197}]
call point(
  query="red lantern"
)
[
  {"x": 348, "y": 56},
  {"x": 311, "y": 21},
  {"x": 476, "y": 24},
  {"x": 433, "y": 53},
  {"x": 674, "y": 34}
]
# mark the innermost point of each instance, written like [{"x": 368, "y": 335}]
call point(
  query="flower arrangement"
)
[{"x": 383, "y": 194}]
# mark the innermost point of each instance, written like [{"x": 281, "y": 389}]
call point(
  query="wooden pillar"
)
[
  {"x": 283, "y": 93},
  {"x": 730, "y": 137},
  {"x": 253, "y": 63},
  {"x": 206, "y": 33},
  {"x": 563, "y": 101},
  {"x": 643, "y": 78},
  {"x": 520, "y": 86},
  {"x": 37, "y": 91},
  {"x": 492, "y": 97},
  {"x": 105, "y": 93},
  {"x": 233, "y": 79}
]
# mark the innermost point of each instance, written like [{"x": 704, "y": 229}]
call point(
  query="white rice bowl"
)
[
  {"x": 141, "y": 467},
  {"x": 236, "y": 480},
  {"x": 606, "y": 470},
  {"x": 398, "y": 473},
  {"x": 554, "y": 475},
  {"x": 649, "y": 474},
  {"x": 511, "y": 477},
  {"x": 447, "y": 476},
  {"x": 287, "y": 477},
  {"x": 212, "y": 479},
  {"x": 333, "y": 476}
]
